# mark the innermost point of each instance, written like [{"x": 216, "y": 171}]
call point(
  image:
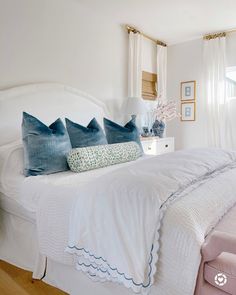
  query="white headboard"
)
[{"x": 46, "y": 101}]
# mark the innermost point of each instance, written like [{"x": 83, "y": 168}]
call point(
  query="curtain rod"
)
[
  {"x": 231, "y": 31},
  {"x": 135, "y": 31},
  {"x": 218, "y": 35}
]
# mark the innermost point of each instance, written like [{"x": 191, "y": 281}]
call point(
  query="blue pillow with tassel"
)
[
  {"x": 45, "y": 147},
  {"x": 116, "y": 133},
  {"x": 81, "y": 136}
]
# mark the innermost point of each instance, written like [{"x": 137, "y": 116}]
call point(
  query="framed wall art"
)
[
  {"x": 188, "y": 90},
  {"x": 188, "y": 111}
]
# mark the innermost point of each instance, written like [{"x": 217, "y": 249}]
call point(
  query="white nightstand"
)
[{"x": 158, "y": 146}]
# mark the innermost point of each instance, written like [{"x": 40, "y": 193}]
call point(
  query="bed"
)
[{"x": 27, "y": 203}]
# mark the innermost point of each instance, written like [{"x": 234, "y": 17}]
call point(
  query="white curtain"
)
[
  {"x": 135, "y": 65},
  {"x": 230, "y": 89},
  {"x": 218, "y": 125},
  {"x": 161, "y": 83},
  {"x": 161, "y": 71},
  {"x": 231, "y": 111}
]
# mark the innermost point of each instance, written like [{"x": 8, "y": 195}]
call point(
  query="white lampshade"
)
[{"x": 135, "y": 106}]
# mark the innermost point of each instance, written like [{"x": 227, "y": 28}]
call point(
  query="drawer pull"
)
[{"x": 166, "y": 145}]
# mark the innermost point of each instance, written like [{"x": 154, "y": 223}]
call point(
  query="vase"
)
[{"x": 158, "y": 128}]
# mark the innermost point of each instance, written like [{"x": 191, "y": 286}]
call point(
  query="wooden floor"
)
[{"x": 15, "y": 281}]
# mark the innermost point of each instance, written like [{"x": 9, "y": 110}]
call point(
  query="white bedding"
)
[
  {"x": 26, "y": 191},
  {"x": 184, "y": 227}
]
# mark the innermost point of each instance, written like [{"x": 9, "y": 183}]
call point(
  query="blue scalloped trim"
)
[{"x": 115, "y": 269}]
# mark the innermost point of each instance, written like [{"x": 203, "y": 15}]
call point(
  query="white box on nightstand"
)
[{"x": 157, "y": 146}]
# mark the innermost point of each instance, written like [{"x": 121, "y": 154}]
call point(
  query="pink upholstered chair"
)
[{"x": 217, "y": 273}]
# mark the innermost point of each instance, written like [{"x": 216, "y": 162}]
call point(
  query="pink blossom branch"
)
[{"x": 165, "y": 111}]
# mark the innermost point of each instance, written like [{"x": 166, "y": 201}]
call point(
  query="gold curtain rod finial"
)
[
  {"x": 161, "y": 43},
  {"x": 132, "y": 29}
]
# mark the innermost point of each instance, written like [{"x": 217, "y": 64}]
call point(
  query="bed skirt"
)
[{"x": 19, "y": 243}]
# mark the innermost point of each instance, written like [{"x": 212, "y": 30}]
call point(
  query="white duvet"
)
[
  {"x": 27, "y": 191},
  {"x": 113, "y": 226}
]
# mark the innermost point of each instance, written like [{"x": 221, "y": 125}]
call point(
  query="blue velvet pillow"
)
[
  {"x": 45, "y": 148},
  {"x": 81, "y": 136},
  {"x": 116, "y": 133}
]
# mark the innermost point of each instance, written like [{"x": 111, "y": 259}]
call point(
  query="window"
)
[{"x": 149, "y": 86}]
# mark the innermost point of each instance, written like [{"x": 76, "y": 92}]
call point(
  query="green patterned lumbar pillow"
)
[{"x": 93, "y": 157}]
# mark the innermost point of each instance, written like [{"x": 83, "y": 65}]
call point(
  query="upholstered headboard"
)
[{"x": 46, "y": 101}]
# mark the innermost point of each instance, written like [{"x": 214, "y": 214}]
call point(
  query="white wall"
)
[
  {"x": 63, "y": 41},
  {"x": 184, "y": 64}
]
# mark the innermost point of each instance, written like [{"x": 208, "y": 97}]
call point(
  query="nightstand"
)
[{"x": 158, "y": 146}]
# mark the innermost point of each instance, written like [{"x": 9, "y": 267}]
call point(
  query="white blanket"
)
[{"x": 114, "y": 222}]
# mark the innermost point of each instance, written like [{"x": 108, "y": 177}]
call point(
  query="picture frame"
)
[
  {"x": 188, "y": 111},
  {"x": 188, "y": 90}
]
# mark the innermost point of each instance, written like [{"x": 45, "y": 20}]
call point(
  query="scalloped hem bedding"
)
[{"x": 115, "y": 226}]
